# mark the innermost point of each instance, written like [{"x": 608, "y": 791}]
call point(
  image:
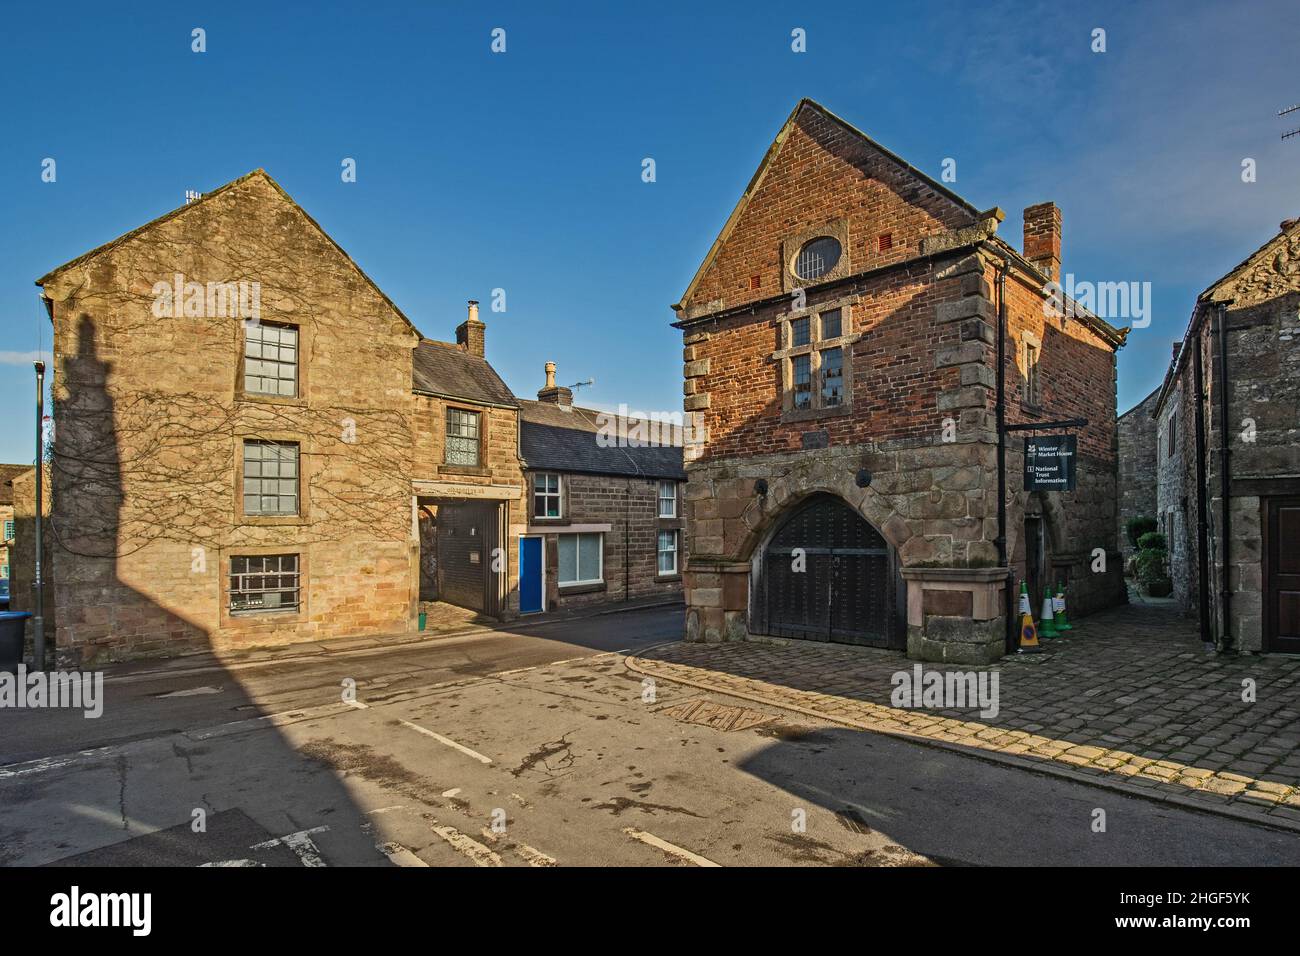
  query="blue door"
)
[{"x": 530, "y": 575}]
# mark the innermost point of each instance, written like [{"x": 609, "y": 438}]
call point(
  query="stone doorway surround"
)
[{"x": 928, "y": 502}]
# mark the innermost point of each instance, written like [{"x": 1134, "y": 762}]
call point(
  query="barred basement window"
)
[
  {"x": 270, "y": 478},
  {"x": 271, "y": 359},
  {"x": 266, "y": 582},
  {"x": 462, "y": 438},
  {"x": 667, "y": 552},
  {"x": 546, "y": 496},
  {"x": 668, "y": 499}
]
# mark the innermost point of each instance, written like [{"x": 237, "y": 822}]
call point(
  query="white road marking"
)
[
  {"x": 468, "y": 846},
  {"x": 225, "y": 863},
  {"x": 43, "y": 764},
  {"x": 651, "y": 840},
  {"x": 300, "y": 843},
  {"x": 452, "y": 792},
  {"x": 399, "y": 855},
  {"x": 534, "y": 856},
  {"x": 357, "y": 704},
  {"x": 446, "y": 740},
  {"x": 192, "y": 692}
]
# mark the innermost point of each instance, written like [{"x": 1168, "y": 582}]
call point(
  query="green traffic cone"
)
[
  {"x": 1061, "y": 623},
  {"x": 1047, "y": 623}
]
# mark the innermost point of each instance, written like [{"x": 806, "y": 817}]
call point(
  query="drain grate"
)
[{"x": 708, "y": 713}]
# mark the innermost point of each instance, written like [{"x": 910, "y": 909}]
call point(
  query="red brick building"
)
[{"x": 841, "y": 375}]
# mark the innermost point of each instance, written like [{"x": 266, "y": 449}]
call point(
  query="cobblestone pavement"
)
[{"x": 1130, "y": 699}]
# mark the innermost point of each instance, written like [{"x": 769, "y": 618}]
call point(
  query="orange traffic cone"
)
[{"x": 1028, "y": 633}]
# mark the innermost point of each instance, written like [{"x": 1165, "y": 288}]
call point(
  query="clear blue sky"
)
[{"x": 522, "y": 170}]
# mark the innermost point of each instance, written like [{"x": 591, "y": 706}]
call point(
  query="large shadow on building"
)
[{"x": 130, "y": 786}]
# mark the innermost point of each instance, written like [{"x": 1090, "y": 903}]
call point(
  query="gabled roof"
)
[
  {"x": 1222, "y": 291},
  {"x": 770, "y": 156},
  {"x": 447, "y": 371},
  {"x": 553, "y": 438},
  {"x": 206, "y": 197},
  {"x": 7, "y": 474}
]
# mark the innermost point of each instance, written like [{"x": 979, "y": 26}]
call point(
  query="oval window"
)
[{"x": 817, "y": 257}]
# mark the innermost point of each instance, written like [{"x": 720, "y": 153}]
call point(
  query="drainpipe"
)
[
  {"x": 1202, "y": 514},
  {"x": 38, "y": 620},
  {"x": 1003, "y": 559},
  {"x": 1225, "y": 482}
]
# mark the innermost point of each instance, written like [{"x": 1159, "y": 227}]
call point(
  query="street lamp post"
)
[{"x": 38, "y": 620}]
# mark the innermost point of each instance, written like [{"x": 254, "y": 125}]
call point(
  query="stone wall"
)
[
  {"x": 150, "y": 416},
  {"x": 1136, "y": 438},
  {"x": 1175, "y": 512},
  {"x": 630, "y": 508}
]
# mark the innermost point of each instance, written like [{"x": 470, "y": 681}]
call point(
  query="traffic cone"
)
[
  {"x": 1047, "y": 622},
  {"x": 1061, "y": 623},
  {"x": 1028, "y": 633}
]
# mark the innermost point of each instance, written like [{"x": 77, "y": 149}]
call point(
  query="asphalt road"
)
[{"x": 535, "y": 748}]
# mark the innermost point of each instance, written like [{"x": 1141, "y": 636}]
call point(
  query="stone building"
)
[
  {"x": 1136, "y": 444},
  {"x": 604, "y": 505},
  {"x": 841, "y": 380},
  {"x": 1229, "y": 410},
  {"x": 246, "y": 431},
  {"x": 7, "y": 524}
]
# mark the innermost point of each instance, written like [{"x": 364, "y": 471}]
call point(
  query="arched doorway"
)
[{"x": 827, "y": 575}]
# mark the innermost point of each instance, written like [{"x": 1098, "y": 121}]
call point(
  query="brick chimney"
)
[
  {"x": 469, "y": 334},
  {"x": 554, "y": 394},
  {"x": 1043, "y": 238}
]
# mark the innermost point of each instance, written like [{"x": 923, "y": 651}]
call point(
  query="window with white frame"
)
[
  {"x": 546, "y": 496},
  {"x": 4, "y": 571},
  {"x": 270, "y": 478},
  {"x": 815, "y": 350},
  {"x": 462, "y": 438},
  {"x": 667, "y": 552},
  {"x": 271, "y": 359},
  {"x": 581, "y": 559},
  {"x": 9, "y": 529},
  {"x": 264, "y": 582},
  {"x": 668, "y": 499}
]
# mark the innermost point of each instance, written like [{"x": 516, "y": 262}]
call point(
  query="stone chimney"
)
[
  {"x": 554, "y": 394},
  {"x": 1043, "y": 238},
  {"x": 1178, "y": 347},
  {"x": 469, "y": 334}
]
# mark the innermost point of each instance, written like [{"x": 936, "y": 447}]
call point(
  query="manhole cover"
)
[{"x": 708, "y": 713}]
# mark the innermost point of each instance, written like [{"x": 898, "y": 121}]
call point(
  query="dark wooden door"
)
[
  {"x": 1282, "y": 575},
  {"x": 464, "y": 553},
  {"x": 827, "y": 576}
]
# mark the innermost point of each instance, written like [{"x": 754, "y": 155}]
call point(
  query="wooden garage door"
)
[
  {"x": 464, "y": 553},
  {"x": 1282, "y": 576},
  {"x": 827, "y": 576}
]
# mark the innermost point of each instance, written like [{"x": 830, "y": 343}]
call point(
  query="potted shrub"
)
[{"x": 1152, "y": 564}]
